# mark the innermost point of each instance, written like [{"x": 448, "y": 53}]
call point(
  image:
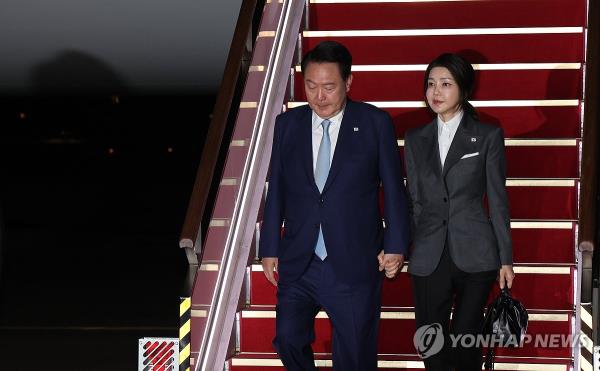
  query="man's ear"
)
[{"x": 348, "y": 83}]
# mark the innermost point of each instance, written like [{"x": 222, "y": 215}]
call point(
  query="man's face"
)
[{"x": 325, "y": 89}]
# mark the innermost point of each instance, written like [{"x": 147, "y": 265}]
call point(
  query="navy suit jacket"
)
[{"x": 366, "y": 155}]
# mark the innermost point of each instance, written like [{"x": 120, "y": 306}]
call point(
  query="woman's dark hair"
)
[
  {"x": 463, "y": 74},
  {"x": 330, "y": 52}
]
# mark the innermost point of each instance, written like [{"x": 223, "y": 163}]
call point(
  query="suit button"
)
[
  {"x": 444, "y": 222},
  {"x": 445, "y": 199},
  {"x": 321, "y": 200}
]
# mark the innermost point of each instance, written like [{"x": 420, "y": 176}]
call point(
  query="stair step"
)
[
  {"x": 452, "y": 14},
  {"x": 491, "y": 85},
  {"x": 524, "y": 48},
  {"x": 544, "y": 242},
  {"x": 537, "y": 198},
  {"x": 556, "y": 159},
  {"x": 553, "y": 288},
  {"x": 396, "y": 331},
  {"x": 544, "y": 161},
  {"x": 546, "y": 199},
  {"x": 544, "y": 134},
  {"x": 553, "y": 291},
  {"x": 517, "y": 122},
  {"x": 269, "y": 361}
]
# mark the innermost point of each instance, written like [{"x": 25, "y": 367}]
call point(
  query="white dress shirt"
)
[
  {"x": 317, "y": 134},
  {"x": 446, "y": 132}
]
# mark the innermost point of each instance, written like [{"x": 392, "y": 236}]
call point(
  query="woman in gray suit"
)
[{"x": 459, "y": 248}]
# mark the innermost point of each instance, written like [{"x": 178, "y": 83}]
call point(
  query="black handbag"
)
[{"x": 505, "y": 324}]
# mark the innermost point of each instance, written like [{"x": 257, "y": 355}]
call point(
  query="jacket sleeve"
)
[
  {"x": 270, "y": 235},
  {"x": 397, "y": 231},
  {"x": 497, "y": 198}
]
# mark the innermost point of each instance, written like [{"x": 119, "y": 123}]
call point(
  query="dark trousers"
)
[
  {"x": 354, "y": 312},
  {"x": 434, "y": 296}
]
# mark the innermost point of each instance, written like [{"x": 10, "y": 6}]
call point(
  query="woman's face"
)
[{"x": 443, "y": 94}]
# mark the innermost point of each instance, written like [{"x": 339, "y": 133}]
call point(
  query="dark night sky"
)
[{"x": 151, "y": 45}]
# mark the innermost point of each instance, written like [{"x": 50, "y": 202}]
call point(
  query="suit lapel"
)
[
  {"x": 431, "y": 149},
  {"x": 464, "y": 141},
  {"x": 343, "y": 145},
  {"x": 307, "y": 151}
]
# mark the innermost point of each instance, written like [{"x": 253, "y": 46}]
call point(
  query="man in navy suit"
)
[{"x": 328, "y": 162}]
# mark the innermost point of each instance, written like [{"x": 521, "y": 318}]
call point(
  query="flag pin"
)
[{"x": 355, "y": 129}]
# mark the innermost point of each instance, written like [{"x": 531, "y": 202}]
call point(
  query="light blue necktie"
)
[{"x": 321, "y": 173}]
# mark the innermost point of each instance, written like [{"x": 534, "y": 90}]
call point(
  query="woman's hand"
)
[
  {"x": 506, "y": 276},
  {"x": 392, "y": 263}
]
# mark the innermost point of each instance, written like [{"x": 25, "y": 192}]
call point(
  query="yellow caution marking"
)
[
  {"x": 185, "y": 329},
  {"x": 185, "y": 305}
]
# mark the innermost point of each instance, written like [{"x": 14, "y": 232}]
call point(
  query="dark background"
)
[
  {"x": 93, "y": 196},
  {"x": 104, "y": 109}
]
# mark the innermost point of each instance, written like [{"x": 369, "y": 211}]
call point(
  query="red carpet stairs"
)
[{"x": 529, "y": 58}]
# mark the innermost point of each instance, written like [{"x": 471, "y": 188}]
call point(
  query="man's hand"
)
[
  {"x": 391, "y": 263},
  {"x": 270, "y": 267},
  {"x": 506, "y": 276}
]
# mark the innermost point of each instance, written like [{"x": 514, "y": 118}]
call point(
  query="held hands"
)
[
  {"x": 270, "y": 267},
  {"x": 506, "y": 275},
  {"x": 391, "y": 263}
]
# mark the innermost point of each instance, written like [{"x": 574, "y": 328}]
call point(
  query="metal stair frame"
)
[{"x": 215, "y": 342}]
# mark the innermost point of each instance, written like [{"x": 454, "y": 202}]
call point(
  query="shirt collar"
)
[
  {"x": 452, "y": 124},
  {"x": 335, "y": 120}
]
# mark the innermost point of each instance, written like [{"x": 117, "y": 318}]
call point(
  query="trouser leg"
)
[
  {"x": 472, "y": 291},
  {"x": 433, "y": 303},
  {"x": 296, "y": 310},
  {"x": 355, "y": 319}
]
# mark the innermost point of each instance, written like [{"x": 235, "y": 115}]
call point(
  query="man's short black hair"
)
[{"x": 330, "y": 52}]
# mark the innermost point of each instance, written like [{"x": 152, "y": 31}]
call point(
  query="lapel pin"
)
[
  {"x": 355, "y": 128},
  {"x": 473, "y": 140}
]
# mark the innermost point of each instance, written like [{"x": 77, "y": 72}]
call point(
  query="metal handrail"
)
[
  {"x": 588, "y": 205},
  {"x": 233, "y": 76},
  {"x": 220, "y": 319},
  {"x": 589, "y": 159},
  {"x": 591, "y": 120},
  {"x": 576, "y": 324}
]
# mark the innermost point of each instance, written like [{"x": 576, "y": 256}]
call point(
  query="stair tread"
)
[
  {"x": 446, "y": 14},
  {"x": 517, "y": 122},
  {"x": 548, "y": 84},
  {"x": 403, "y": 313},
  {"x": 412, "y": 357},
  {"x": 273, "y": 355},
  {"x": 554, "y": 282},
  {"x": 489, "y": 48}
]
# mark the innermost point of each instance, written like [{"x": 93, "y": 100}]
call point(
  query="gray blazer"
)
[{"x": 450, "y": 201}]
